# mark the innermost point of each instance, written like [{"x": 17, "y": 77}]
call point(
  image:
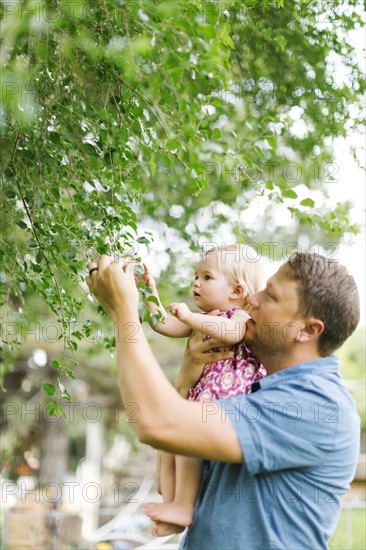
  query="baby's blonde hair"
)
[{"x": 241, "y": 264}]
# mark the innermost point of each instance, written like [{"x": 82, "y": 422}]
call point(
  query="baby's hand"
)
[
  {"x": 148, "y": 278},
  {"x": 180, "y": 310}
]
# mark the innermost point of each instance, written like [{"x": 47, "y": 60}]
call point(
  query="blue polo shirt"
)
[{"x": 299, "y": 434}]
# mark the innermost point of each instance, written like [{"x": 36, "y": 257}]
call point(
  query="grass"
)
[{"x": 351, "y": 531}]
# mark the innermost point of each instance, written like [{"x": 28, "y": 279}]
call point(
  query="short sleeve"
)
[{"x": 283, "y": 429}]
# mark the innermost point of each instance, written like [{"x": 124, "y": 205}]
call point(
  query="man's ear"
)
[
  {"x": 237, "y": 292},
  {"x": 311, "y": 331}
]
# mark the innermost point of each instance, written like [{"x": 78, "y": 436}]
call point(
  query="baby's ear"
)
[{"x": 238, "y": 292}]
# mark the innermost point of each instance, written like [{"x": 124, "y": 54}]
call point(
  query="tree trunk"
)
[{"x": 54, "y": 455}]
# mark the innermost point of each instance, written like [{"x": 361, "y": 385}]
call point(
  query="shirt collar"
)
[{"x": 317, "y": 367}]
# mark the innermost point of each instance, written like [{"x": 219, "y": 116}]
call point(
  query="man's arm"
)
[
  {"x": 170, "y": 422},
  {"x": 196, "y": 355}
]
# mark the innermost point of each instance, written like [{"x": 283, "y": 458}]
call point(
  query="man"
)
[{"x": 277, "y": 461}]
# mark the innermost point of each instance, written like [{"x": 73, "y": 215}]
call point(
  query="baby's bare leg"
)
[
  {"x": 179, "y": 512},
  {"x": 165, "y": 483},
  {"x": 165, "y": 476}
]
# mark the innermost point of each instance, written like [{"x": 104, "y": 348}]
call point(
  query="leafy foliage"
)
[{"x": 115, "y": 112}]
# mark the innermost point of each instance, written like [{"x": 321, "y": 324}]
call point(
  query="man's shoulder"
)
[
  {"x": 298, "y": 423},
  {"x": 297, "y": 395}
]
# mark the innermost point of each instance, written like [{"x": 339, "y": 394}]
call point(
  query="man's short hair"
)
[{"x": 328, "y": 292}]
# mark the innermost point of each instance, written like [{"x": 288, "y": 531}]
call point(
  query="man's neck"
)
[{"x": 274, "y": 363}]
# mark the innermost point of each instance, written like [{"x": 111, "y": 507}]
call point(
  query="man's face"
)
[{"x": 275, "y": 321}]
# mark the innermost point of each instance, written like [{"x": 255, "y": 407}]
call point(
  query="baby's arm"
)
[
  {"x": 229, "y": 331},
  {"x": 167, "y": 326}
]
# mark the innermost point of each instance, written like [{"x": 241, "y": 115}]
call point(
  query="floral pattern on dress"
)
[{"x": 232, "y": 376}]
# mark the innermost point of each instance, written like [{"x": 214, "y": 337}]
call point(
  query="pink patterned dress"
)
[{"x": 232, "y": 376}]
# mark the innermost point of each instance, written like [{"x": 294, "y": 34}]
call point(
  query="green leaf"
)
[
  {"x": 138, "y": 270},
  {"x": 49, "y": 389},
  {"x": 66, "y": 396},
  {"x": 55, "y": 409},
  {"x": 21, "y": 224},
  {"x": 56, "y": 364},
  {"x": 289, "y": 194},
  {"x": 153, "y": 299},
  {"x": 308, "y": 202},
  {"x": 102, "y": 311},
  {"x": 155, "y": 320},
  {"x": 146, "y": 317},
  {"x": 39, "y": 256},
  {"x": 143, "y": 240}
]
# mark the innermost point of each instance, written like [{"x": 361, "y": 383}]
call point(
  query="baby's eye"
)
[{"x": 208, "y": 277}]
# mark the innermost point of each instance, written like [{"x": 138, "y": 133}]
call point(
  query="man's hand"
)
[
  {"x": 179, "y": 310},
  {"x": 113, "y": 284},
  {"x": 196, "y": 355}
]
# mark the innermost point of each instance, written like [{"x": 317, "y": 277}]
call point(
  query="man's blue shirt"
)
[{"x": 299, "y": 434}]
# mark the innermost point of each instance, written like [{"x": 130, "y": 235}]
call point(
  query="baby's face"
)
[{"x": 211, "y": 287}]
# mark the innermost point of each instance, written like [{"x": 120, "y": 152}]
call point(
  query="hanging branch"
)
[
  {"x": 138, "y": 94},
  {"x": 35, "y": 234}
]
